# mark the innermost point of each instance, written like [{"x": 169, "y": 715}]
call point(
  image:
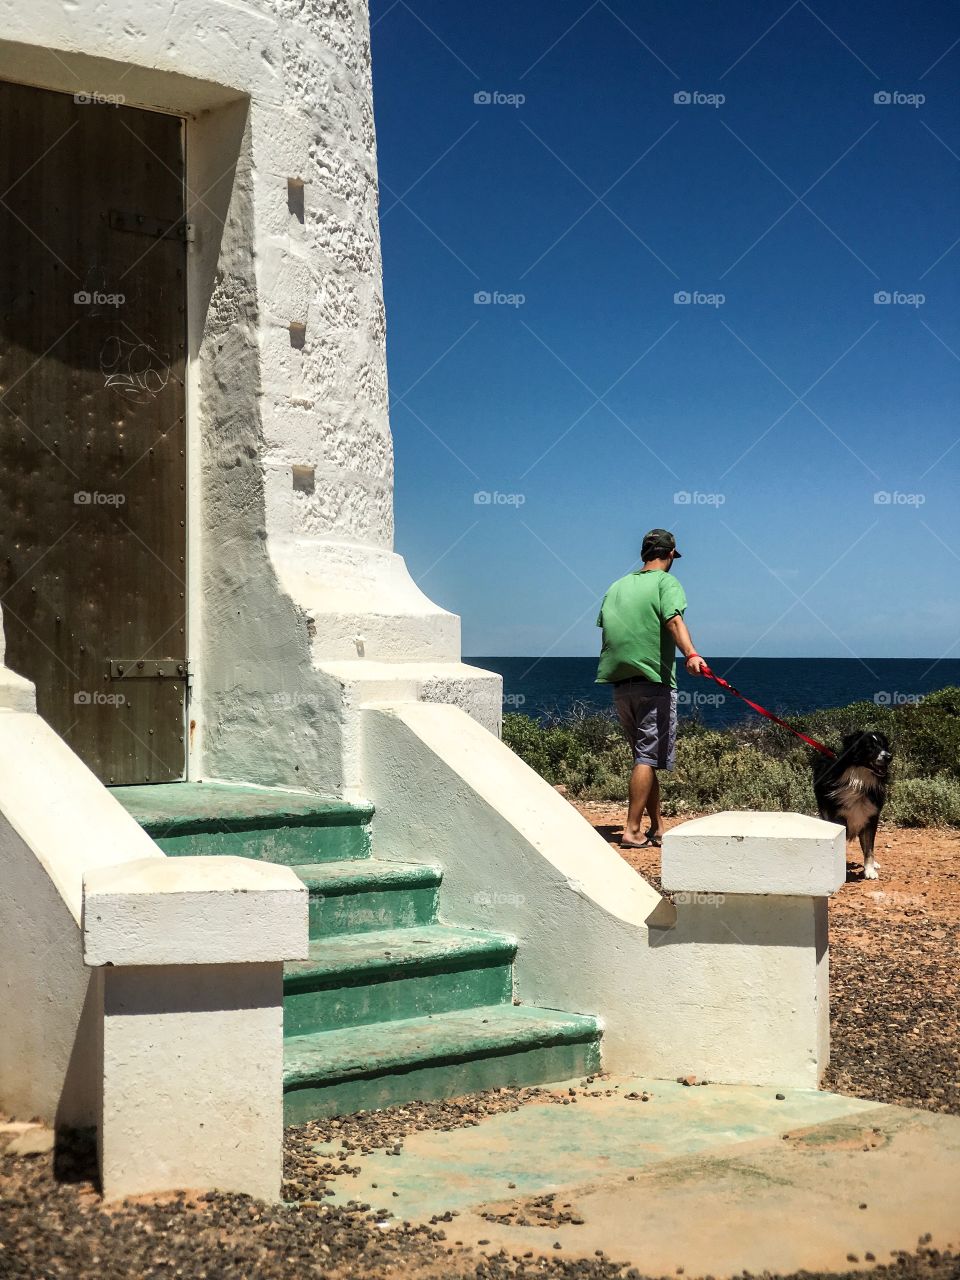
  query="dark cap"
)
[{"x": 658, "y": 540}]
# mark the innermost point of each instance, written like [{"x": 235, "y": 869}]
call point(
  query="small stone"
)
[
  {"x": 863, "y": 1206},
  {"x": 781, "y": 1097}
]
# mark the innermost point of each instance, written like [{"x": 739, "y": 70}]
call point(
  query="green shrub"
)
[
  {"x": 925, "y": 802},
  {"x": 756, "y": 764}
]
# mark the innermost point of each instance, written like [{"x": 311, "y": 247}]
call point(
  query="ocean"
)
[{"x": 546, "y": 687}]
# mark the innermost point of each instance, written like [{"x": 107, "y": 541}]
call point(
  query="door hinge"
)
[
  {"x": 142, "y": 224},
  {"x": 151, "y": 669}
]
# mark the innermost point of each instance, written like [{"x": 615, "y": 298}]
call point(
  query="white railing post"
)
[
  {"x": 191, "y": 952},
  {"x": 751, "y": 964}
]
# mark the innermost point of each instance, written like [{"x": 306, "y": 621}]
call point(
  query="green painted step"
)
[
  {"x": 354, "y": 979},
  {"x": 336, "y": 1072},
  {"x": 361, "y": 894},
  {"x": 270, "y": 824}
]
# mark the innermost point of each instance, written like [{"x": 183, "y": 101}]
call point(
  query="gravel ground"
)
[{"x": 896, "y": 1024}]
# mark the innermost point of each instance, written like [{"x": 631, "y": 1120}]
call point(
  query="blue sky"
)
[{"x": 761, "y": 419}]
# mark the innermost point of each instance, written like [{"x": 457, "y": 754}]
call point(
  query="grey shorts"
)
[{"x": 648, "y": 713}]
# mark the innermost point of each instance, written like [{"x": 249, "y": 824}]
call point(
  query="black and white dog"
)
[{"x": 852, "y": 790}]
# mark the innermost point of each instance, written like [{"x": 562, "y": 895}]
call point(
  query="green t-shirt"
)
[{"x": 635, "y": 640}]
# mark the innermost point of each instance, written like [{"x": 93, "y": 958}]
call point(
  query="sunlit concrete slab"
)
[{"x": 713, "y": 1179}]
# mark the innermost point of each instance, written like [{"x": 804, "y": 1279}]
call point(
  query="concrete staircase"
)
[{"x": 393, "y": 1004}]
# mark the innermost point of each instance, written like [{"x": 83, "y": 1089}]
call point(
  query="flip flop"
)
[{"x": 651, "y": 842}]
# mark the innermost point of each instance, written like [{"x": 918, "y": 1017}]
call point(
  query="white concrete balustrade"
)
[
  {"x": 141, "y": 995},
  {"x": 192, "y": 953},
  {"x": 729, "y": 982},
  {"x": 751, "y": 891}
]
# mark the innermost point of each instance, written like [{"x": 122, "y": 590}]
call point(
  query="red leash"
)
[{"x": 725, "y": 684}]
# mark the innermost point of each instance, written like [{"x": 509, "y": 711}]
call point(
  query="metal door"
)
[{"x": 92, "y": 424}]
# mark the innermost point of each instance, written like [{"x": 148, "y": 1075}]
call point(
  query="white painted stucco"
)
[
  {"x": 282, "y": 577},
  {"x": 730, "y": 987},
  {"x": 176, "y": 911},
  {"x": 192, "y": 1079},
  {"x": 56, "y": 821},
  {"x": 778, "y": 853}
]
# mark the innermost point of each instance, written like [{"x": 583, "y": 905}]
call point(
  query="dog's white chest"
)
[{"x": 855, "y": 800}]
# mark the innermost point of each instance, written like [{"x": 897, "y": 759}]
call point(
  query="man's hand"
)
[{"x": 695, "y": 665}]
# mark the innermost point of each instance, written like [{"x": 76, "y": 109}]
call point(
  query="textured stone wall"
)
[{"x": 325, "y": 401}]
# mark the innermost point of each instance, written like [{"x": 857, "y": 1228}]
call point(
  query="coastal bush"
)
[
  {"x": 756, "y": 764},
  {"x": 925, "y": 802}
]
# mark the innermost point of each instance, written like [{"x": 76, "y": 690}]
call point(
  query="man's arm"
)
[{"x": 678, "y": 629}]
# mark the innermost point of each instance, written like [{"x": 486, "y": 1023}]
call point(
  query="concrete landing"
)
[{"x": 714, "y": 1179}]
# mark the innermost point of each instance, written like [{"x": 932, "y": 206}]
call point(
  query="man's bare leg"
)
[
  {"x": 644, "y": 792},
  {"x": 653, "y": 809}
]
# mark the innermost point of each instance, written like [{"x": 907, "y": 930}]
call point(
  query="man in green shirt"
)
[{"x": 642, "y": 621}]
